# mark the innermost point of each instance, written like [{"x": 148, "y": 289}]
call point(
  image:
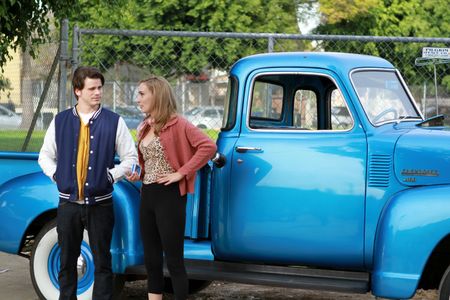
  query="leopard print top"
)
[{"x": 155, "y": 161}]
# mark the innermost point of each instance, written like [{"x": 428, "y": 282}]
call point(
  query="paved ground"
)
[{"x": 15, "y": 284}]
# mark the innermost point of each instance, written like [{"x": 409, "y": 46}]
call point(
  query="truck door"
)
[{"x": 297, "y": 176}]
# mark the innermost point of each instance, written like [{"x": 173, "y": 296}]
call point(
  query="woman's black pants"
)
[{"x": 162, "y": 218}]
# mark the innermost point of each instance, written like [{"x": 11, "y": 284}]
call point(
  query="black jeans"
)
[
  {"x": 71, "y": 220},
  {"x": 162, "y": 219}
]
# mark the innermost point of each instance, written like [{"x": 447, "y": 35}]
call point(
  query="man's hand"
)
[{"x": 132, "y": 176}]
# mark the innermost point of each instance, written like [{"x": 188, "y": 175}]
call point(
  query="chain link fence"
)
[
  {"x": 196, "y": 64},
  {"x": 30, "y": 82}
]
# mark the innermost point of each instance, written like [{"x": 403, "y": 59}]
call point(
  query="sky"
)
[{"x": 310, "y": 22}]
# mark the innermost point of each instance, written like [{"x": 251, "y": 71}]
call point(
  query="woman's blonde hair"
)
[{"x": 164, "y": 104}]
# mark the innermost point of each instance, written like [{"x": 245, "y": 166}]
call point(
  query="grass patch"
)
[
  {"x": 212, "y": 133},
  {"x": 13, "y": 140}
]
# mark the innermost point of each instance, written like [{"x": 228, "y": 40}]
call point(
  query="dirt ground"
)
[
  {"x": 224, "y": 291},
  {"x": 15, "y": 284}
]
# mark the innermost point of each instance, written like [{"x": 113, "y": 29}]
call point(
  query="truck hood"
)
[{"x": 422, "y": 157}]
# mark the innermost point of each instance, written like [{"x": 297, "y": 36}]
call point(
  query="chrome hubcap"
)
[{"x": 81, "y": 266}]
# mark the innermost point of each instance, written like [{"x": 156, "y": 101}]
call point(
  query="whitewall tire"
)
[
  {"x": 444, "y": 286},
  {"x": 44, "y": 265}
]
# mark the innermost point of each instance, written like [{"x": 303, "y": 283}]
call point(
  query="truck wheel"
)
[
  {"x": 44, "y": 265},
  {"x": 444, "y": 286}
]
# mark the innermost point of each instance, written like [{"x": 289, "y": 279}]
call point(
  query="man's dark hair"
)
[{"x": 81, "y": 73}]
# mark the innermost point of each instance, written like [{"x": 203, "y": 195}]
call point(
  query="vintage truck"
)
[{"x": 327, "y": 177}]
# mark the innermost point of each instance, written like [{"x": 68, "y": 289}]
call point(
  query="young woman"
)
[{"x": 170, "y": 150}]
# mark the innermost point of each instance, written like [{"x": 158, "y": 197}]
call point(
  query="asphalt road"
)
[{"x": 15, "y": 284}]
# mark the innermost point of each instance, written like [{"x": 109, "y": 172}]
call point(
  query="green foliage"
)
[
  {"x": 25, "y": 24},
  {"x": 188, "y": 54},
  {"x": 446, "y": 82},
  {"x": 341, "y": 11},
  {"x": 405, "y": 18},
  {"x": 5, "y": 84}
]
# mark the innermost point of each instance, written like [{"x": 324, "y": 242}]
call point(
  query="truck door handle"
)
[{"x": 245, "y": 149}]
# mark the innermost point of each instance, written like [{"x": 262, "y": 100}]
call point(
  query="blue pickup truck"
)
[{"x": 327, "y": 177}]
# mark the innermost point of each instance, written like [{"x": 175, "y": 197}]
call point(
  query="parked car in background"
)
[
  {"x": 205, "y": 117},
  {"x": 9, "y": 119},
  {"x": 131, "y": 115}
]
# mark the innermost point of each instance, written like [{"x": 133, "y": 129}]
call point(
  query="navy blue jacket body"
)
[{"x": 102, "y": 144}]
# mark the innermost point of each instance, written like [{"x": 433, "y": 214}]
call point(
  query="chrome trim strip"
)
[
  {"x": 284, "y": 130},
  {"x": 409, "y": 93}
]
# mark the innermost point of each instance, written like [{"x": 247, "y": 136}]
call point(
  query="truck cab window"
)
[
  {"x": 267, "y": 101},
  {"x": 298, "y": 102},
  {"x": 305, "y": 110},
  {"x": 340, "y": 115}
]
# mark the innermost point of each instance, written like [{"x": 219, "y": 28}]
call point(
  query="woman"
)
[{"x": 170, "y": 150}]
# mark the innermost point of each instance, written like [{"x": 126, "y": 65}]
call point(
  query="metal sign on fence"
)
[
  {"x": 431, "y": 52},
  {"x": 434, "y": 56}
]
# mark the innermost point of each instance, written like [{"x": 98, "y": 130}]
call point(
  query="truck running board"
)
[{"x": 281, "y": 276}]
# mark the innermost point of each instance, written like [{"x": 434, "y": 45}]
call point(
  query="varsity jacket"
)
[{"x": 108, "y": 133}]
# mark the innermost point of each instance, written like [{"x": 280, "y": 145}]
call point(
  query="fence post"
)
[
  {"x": 436, "y": 89},
  {"x": 64, "y": 45},
  {"x": 75, "y": 50},
  {"x": 270, "y": 44}
]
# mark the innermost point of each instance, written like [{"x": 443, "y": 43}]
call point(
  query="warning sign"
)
[{"x": 430, "y": 52}]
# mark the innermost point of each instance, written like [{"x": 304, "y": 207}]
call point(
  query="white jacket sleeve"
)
[
  {"x": 126, "y": 150},
  {"x": 47, "y": 155}
]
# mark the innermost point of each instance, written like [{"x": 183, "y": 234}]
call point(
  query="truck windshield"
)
[{"x": 383, "y": 96}]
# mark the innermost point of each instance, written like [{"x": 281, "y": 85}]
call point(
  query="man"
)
[{"x": 78, "y": 154}]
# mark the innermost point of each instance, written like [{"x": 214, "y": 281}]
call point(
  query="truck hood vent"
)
[{"x": 379, "y": 170}]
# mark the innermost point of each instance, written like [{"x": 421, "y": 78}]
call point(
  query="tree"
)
[
  {"x": 385, "y": 17},
  {"x": 25, "y": 23},
  {"x": 5, "y": 83},
  {"x": 190, "y": 55},
  {"x": 405, "y": 18}
]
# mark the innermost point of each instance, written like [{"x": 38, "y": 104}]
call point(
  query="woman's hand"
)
[
  {"x": 132, "y": 176},
  {"x": 170, "y": 178}
]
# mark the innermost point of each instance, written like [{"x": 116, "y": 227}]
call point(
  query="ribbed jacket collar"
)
[{"x": 96, "y": 114}]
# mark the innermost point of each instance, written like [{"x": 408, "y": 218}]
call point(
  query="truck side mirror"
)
[{"x": 219, "y": 160}]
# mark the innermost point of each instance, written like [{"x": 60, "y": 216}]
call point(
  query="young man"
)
[{"x": 78, "y": 154}]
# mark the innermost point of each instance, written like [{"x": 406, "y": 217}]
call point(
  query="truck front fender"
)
[
  {"x": 411, "y": 225},
  {"x": 22, "y": 200},
  {"x": 25, "y": 198}
]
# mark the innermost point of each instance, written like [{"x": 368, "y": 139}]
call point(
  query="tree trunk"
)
[{"x": 26, "y": 91}]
